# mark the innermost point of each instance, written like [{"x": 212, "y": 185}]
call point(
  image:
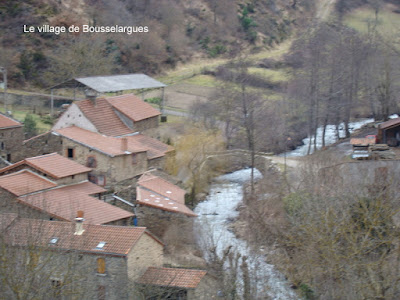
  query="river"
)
[{"x": 215, "y": 214}]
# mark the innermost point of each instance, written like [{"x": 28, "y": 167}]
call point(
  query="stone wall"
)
[
  {"x": 146, "y": 124},
  {"x": 114, "y": 169},
  {"x": 10, "y": 141},
  {"x": 147, "y": 252},
  {"x": 42, "y": 144}
]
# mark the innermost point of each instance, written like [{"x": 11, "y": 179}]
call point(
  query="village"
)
[
  {"x": 61, "y": 192},
  {"x": 196, "y": 150}
]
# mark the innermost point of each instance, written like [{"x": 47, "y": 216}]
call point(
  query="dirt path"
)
[{"x": 292, "y": 162}]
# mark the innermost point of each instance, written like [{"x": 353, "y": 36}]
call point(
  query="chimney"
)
[
  {"x": 124, "y": 144},
  {"x": 79, "y": 223},
  {"x": 91, "y": 95}
]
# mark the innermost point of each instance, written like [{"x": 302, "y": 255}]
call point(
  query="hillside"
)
[{"x": 178, "y": 31}]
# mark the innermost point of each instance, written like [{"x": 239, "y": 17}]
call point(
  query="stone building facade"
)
[
  {"x": 72, "y": 262},
  {"x": 11, "y": 138}
]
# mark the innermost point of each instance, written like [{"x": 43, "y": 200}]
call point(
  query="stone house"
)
[
  {"x": 67, "y": 260},
  {"x": 112, "y": 159},
  {"x": 11, "y": 137},
  {"x": 112, "y": 116},
  {"x": 159, "y": 203},
  {"x": 35, "y": 196},
  {"x": 176, "y": 283}
]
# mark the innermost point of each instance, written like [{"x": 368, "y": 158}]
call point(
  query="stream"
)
[{"x": 215, "y": 214}]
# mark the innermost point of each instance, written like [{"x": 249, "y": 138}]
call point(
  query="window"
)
[
  {"x": 91, "y": 162},
  {"x": 8, "y": 157},
  {"x": 70, "y": 152},
  {"x": 134, "y": 158},
  {"x": 101, "y": 292},
  {"x": 101, "y": 265},
  {"x": 101, "y": 180},
  {"x": 56, "y": 286},
  {"x": 2, "y": 145}
]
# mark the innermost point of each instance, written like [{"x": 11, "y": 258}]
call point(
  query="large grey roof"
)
[{"x": 114, "y": 83}]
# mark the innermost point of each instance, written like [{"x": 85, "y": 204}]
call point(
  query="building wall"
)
[
  {"x": 113, "y": 168},
  {"x": 9, "y": 204},
  {"x": 146, "y": 253},
  {"x": 39, "y": 145},
  {"x": 207, "y": 289},
  {"x": 74, "y": 116},
  {"x": 10, "y": 142},
  {"x": 71, "y": 179},
  {"x": 145, "y": 124}
]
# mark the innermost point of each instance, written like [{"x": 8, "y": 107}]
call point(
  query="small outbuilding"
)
[{"x": 389, "y": 133}]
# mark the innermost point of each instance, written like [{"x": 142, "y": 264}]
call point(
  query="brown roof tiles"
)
[
  {"x": 119, "y": 240},
  {"x": 158, "y": 193},
  {"x": 103, "y": 117},
  {"x": 7, "y": 122},
  {"x": 63, "y": 203},
  {"x": 113, "y": 146},
  {"x": 133, "y": 107},
  {"x": 51, "y": 164},
  {"x": 172, "y": 277},
  {"x": 24, "y": 182}
]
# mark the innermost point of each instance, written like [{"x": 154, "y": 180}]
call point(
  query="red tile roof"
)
[
  {"x": 6, "y": 219},
  {"x": 172, "y": 277},
  {"x": 162, "y": 187},
  {"x": 103, "y": 117},
  {"x": 112, "y": 146},
  {"x": 119, "y": 240},
  {"x": 362, "y": 141},
  {"x": 65, "y": 201},
  {"x": 7, "y": 122},
  {"x": 156, "y": 192},
  {"x": 154, "y": 147},
  {"x": 24, "y": 182},
  {"x": 51, "y": 164},
  {"x": 133, "y": 107},
  {"x": 152, "y": 199},
  {"x": 85, "y": 187}
]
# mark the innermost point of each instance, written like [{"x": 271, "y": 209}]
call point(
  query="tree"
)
[{"x": 30, "y": 127}]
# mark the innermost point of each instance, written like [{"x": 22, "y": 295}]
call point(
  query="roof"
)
[
  {"x": 6, "y": 219},
  {"x": 162, "y": 187},
  {"x": 112, "y": 146},
  {"x": 133, "y": 107},
  {"x": 113, "y": 83},
  {"x": 172, "y": 277},
  {"x": 156, "y": 192},
  {"x": 363, "y": 141},
  {"x": 390, "y": 123},
  {"x": 85, "y": 187},
  {"x": 7, "y": 122},
  {"x": 24, "y": 182},
  {"x": 119, "y": 240},
  {"x": 63, "y": 203},
  {"x": 51, "y": 164},
  {"x": 152, "y": 199},
  {"x": 103, "y": 117}
]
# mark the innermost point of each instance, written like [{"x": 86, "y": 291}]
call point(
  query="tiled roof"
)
[
  {"x": 51, "y": 164},
  {"x": 64, "y": 202},
  {"x": 172, "y": 277},
  {"x": 162, "y": 187},
  {"x": 85, "y": 187},
  {"x": 7, "y": 122},
  {"x": 109, "y": 145},
  {"x": 103, "y": 117},
  {"x": 112, "y": 146},
  {"x": 24, "y": 182},
  {"x": 118, "y": 240},
  {"x": 154, "y": 147},
  {"x": 133, "y": 107},
  {"x": 390, "y": 123},
  {"x": 152, "y": 199}
]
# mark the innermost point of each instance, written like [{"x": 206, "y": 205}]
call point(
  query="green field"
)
[{"x": 387, "y": 22}]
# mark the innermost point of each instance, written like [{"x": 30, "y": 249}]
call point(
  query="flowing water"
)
[{"x": 215, "y": 214}]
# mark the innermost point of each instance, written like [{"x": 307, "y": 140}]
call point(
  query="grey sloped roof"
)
[{"x": 113, "y": 83}]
